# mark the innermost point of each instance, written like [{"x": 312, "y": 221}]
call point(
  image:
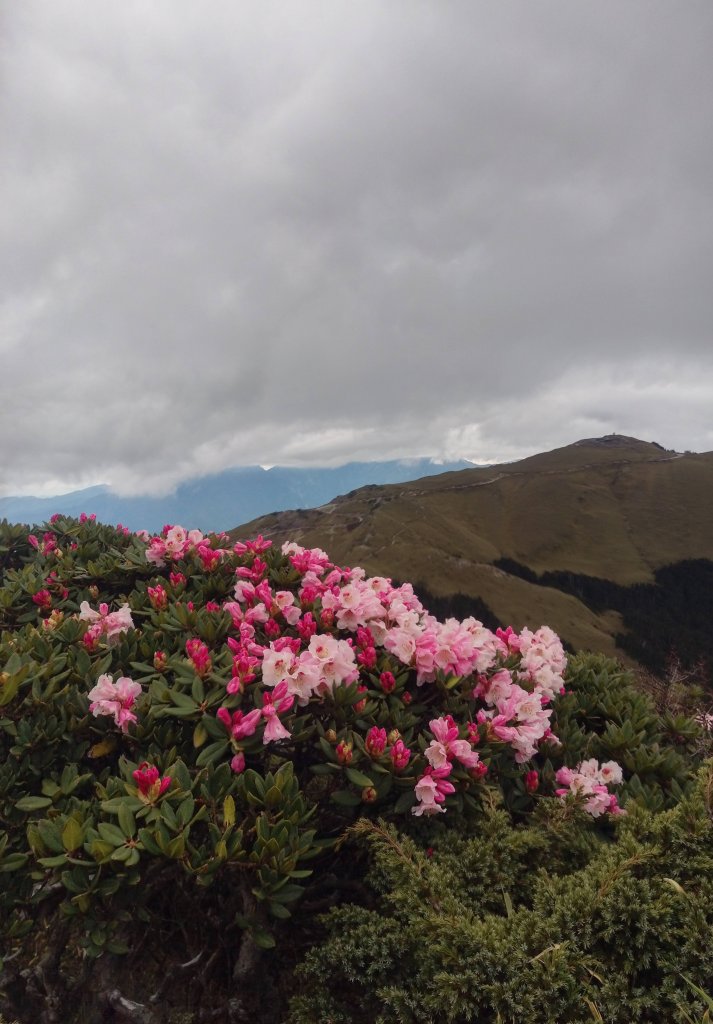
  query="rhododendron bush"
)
[{"x": 188, "y": 727}]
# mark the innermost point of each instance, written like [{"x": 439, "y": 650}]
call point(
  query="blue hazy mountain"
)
[{"x": 223, "y": 500}]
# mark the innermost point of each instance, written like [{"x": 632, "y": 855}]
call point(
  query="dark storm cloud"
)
[{"x": 314, "y": 232}]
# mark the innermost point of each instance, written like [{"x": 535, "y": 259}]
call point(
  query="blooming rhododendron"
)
[
  {"x": 336, "y": 627},
  {"x": 115, "y": 698},
  {"x": 589, "y": 782},
  {"x": 106, "y": 623},
  {"x": 278, "y": 700},
  {"x": 431, "y": 790}
]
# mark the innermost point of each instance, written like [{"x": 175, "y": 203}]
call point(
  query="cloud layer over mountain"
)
[{"x": 314, "y": 232}]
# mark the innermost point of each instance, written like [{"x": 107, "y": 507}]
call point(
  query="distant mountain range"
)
[
  {"x": 218, "y": 501},
  {"x": 608, "y": 540}
]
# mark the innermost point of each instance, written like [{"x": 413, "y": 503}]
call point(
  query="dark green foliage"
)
[
  {"x": 105, "y": 888},
  {"x": 501, "y": 928}
]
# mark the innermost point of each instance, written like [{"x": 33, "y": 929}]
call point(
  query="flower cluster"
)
[
  {"x": 441, "y": 753},
  {"x": 291, "y": 650},
  {"x": 104, "y": 623},
  {"x": 175, "y": 543},
  {"x": 589, "y": 782},
  {"x": 46, "y": 546},
  {"x": 115, "y": 698}
]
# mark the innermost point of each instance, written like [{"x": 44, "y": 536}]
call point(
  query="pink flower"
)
[
  {"x": 150, "y": 785},
  {"x": 43, "y": 599},
  {"x": 447, "y": 746},
  {"x": 115, "y": 698},
  {"x": 239, "y": 725},
  {"x": 105, "y": 623},
  {"x": 238, "y": 763},
  {"x": 431, "y": 791},
  {"x": 532, "y": 781},
  {"x": 278, "y": 700},
  {"x": 588, "y": 782},
  {"x": 117, "y": 622}
]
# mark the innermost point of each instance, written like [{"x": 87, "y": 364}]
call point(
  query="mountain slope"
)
[{"x": 614, "y": 508}]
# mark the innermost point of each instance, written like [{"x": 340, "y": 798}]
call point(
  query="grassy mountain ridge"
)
[{"x": 616, "y": 509}]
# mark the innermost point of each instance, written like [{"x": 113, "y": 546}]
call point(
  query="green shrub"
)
[
  {"x": 171, "y": 810},
  {"x": 497, "y": 928}
]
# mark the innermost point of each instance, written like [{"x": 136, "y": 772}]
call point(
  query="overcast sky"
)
[{"x": 308, "y": 232}]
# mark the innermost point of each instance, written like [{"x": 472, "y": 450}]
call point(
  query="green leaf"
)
[
  {"x": 111, "y": 834},
  {"x": 357, "y": 777},
  {"x": 288, "y": 894},
  {"x": 279, "y": 911},
  {"x": 263, "y": 939},
  {"x": 345, "y": 798},
  {"x": 212, "y": 753},
  {"x": 13, "y": 861},
  {"x": 404, "y": 802},
  {"x": 273, "y": 796},
  {"x": 72, "y": 835},
  {"x": 127, "y": 822},
  {"x": 229, "y": 810},
  {"x": 185, "y": 810},
  {"x": 52, "y": 862},
  {"x": 148, "y": 842},
  {"x": 177, "y": 846},
  {"x": 33, "y": 803}
]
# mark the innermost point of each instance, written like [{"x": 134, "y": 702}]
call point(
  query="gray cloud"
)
[{"x": 311, "y": 232}]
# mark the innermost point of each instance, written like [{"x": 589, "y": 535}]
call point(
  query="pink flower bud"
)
[
  {"x": 158, "y": 597},
  {"x": 150, "y": 785},
  {"x": 375, "y": 741},
  {"x": 387, "y": 681},
  {"x": 400, "y": 756},
  {"x": 43, "y": 599}
]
